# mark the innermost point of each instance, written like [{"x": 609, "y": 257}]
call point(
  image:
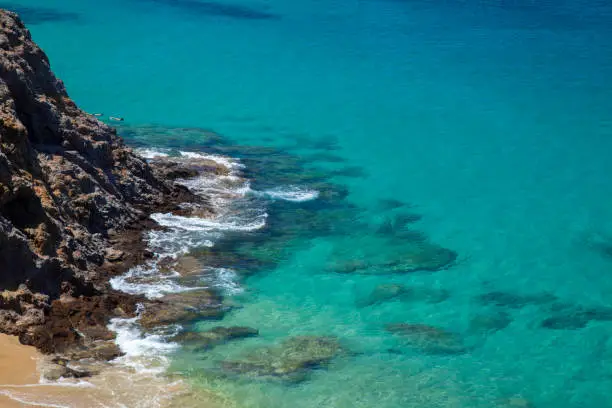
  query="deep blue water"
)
[{"x": 493, "y": 118}]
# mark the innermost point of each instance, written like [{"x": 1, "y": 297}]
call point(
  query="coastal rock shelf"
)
[{"x": 70, "y": 189}]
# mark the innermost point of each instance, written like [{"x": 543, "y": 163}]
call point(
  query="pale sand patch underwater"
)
[{"x": 114, "y": 386}]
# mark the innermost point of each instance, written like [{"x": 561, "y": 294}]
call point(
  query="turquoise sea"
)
[{"x": 481, "y": 127}]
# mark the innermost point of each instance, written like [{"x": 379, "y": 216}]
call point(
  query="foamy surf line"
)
[
  {"x": 290, "y": 193},
  {"x": 208, "y": 225},
  {"x": 236, "y": 209},
  {"x": 147, "y": 353},
  {"x": 26, "y": 402},
  {"x": 153, "y": 153}
]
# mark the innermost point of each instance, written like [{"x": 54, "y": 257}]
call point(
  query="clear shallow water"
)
[{"x": 492, "y": 118}]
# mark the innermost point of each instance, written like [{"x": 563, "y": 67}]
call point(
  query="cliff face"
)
[{"x": 67, "y": 183}]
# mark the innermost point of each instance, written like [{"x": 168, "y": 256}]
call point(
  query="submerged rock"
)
[
  {"x": 392, "y": 291},
  {"x": 572, "y": 317},
  {"x": 428, "y": 339},
  {"x": 491, "y": 322},
  {"x": 515, "y": 301},
  {"x": 388, "y": 204},
  {"x": 291, "y": 360},
  {"x": 216, "y": 336},
  {"x": 183, "y": 307},
  {"x": 426, "y": 257},
  {"x": 515, "y": 402}
]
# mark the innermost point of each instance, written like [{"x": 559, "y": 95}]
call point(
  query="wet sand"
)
[
  {"x": 114, "y": 386},
  {"x": 18, "y": 367}
]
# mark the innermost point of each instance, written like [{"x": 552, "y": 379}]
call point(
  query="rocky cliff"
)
[{"x": 69, "y": 189}]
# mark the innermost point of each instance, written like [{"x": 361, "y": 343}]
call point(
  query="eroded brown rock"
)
[{"x": 74, "y": 200}]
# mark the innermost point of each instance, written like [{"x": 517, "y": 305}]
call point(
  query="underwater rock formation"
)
[
  {"x": 571, "y": 317},
  {"x": 402, "y": 258},
  {"x": 428, "y": 339},
  {"x": 289, "y": 361},
  {"x": 393, "y": 291},
  {"x": 490, "y": 322},
  {"x": 219, "y": 335},
  {"x": 514, "y": 300}
]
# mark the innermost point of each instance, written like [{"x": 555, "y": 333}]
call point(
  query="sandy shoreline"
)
[
  {"x": 18, "y": 366},
  {"x": 20, "y": 385}
]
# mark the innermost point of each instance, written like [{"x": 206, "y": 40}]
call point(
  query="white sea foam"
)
[
  {"x": 144, "y": 352},
  {"x": 291, "y": 193},
  {"x": 149, "y": 281},
  {"x": 225, "y": 161},
  {"x": 174, "y": 242},
  {"x": 151, "y": 153},
  {"x": 22, "y": 400},
  {"x": 224, "y": 279},
  {"x": 208, "y": 225},
  {"x": 234, "y": 209}
]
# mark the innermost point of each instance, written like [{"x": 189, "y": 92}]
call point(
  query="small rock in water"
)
[
  {"x": 101, "y": 351},
  {"x": 488, "y": 323},
  {"x": 289, "y": 361},
  {"x": 428, "y": 339},
  {"x": 216, "y": 336},
  {"x": 58, "y": 368}
]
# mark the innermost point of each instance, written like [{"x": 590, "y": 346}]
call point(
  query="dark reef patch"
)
[
  {"x": 217, "y": 9},
  {"x": 40, "y": 15}
]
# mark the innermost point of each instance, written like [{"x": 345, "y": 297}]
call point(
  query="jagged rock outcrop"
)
[{"x": 68, "y": 184}]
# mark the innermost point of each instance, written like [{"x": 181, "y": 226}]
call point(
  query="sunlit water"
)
[{"x": 493, "y": 119}]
